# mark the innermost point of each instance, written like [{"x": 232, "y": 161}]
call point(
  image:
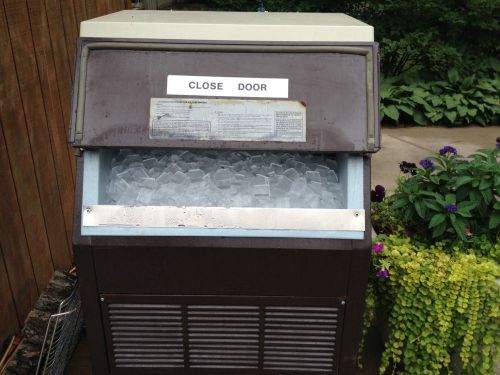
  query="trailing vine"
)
[{"x": 442, "y": 308}]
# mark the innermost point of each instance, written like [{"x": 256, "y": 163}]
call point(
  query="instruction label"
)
[
  {"x": 228, "y": 119},
  {"x": 227, "y": 86}
]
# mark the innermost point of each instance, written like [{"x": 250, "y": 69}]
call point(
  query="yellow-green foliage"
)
[{"x": 442, "y": 309}]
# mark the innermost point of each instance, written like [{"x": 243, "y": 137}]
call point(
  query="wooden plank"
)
[
  {"x": 23, "y": 171},
  {"x": 60, "y": 51},
  {"x": 55, "y": 121},
  {"x": 91, "y": 6},
  {"x": 57, "y": 253},
  {"x": 9, "y": 323},
  {"x": 70, "y": 29},
  {"x": 80, "y": 12},
  {"x": 63, "y": 68},
  {"x": 15, "y": 253}
]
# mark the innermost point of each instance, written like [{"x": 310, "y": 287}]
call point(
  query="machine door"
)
[{"x": 259, "y": 97}]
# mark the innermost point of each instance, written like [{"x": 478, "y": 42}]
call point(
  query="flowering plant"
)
[
  {"x": 450, "y": 196},
  {"x": 441, "y": 309}
]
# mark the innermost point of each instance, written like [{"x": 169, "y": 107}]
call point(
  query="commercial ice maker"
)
[{"x": 222, "y": 220}]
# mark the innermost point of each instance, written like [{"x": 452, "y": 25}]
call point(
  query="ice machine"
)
[{"x": 222, "y": 220}]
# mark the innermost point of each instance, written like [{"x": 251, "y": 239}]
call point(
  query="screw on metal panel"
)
[
  {"x": 356, "y": 213},
  {"x": 87, "y": 210},
  {"x": 102, "y": 299}
]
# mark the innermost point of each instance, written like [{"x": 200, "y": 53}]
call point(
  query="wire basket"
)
[{"x": 61, "y": 336}]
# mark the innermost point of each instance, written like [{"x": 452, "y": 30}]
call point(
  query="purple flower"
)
[
  {"x": 383, "y": 273},
  {"x": 448, "y": 149},
  {"x": 406, "y": 167},
  {"x": 451, "y": 208},
  {"x": 378, "y": 194},
  {"x": 378, "y": 247},
  {"x": 426, "y": 164}
]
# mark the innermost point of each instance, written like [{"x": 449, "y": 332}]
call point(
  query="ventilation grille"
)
[
  {"x": 275, "y": 339},
  {"x": 300, "y": 338},
  {"x": 223, "y": 336},
  {"x": 146, "y": 335}
]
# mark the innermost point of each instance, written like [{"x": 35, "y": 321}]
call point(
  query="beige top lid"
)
[{"x": 228, "y": 26}]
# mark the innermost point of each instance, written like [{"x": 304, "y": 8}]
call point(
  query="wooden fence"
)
[{"x": 37, "y": 168}]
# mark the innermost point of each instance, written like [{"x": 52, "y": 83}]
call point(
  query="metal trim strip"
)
[{"x": 223, "y": 218}]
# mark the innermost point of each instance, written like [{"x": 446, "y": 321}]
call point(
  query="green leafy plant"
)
[
  {"x": 450, "y": 197},
  {"x": 456, "y": 101},
  {"x": 442, "y": 309}
]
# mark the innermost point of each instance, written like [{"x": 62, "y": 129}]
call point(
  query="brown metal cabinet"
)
[{"x": 222, "y": 207}]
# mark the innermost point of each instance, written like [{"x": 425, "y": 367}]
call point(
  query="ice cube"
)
[
  {"x": 332, "y": 164},
  {"x": 179, "y": 177},
  {"x": 116, "y": 188},
  {"x": 291, "y": 173},
  {"x": 223, "y": 178},
  {"x": 313, "y": 176},
  {"x": 316, "y": 187},
  {"x": 256, "y": 159},
  {"x": 139, "y": 174},
  {"x": 277, "y": 168},
  {"x": 144, "y": 196},
  {"x": 150, "y": 163},
  {"x": 331, "y": 176},
  {"x": 283, "y": 183},
  {"x": 195, "y": 174},
  {"x": 172, "y": 168},
  {"x": 132, "y": 158},
  {"x": 129, "y": 196},
  {"x": 261, "y": 190},
  {"x": 149, "y": 183}
]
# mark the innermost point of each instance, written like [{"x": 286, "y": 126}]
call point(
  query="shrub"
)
[
  {"x": 451, "y": 198},
  {"x": 442, "y": 309},
  {"x": 456, "y": 101}
]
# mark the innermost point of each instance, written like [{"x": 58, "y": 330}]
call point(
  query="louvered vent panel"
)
[
  {"x": 300, "y": 338},
  {"x": 146, "y": 335},
  {"x": 225, "y": 337}
]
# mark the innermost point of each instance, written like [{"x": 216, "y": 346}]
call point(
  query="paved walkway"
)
[{"x": 415, "y": 143}]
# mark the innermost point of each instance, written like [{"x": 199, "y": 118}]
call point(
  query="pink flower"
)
[
  {"x": 378, "y": 247},
  {"x": 468, "y": 233}
]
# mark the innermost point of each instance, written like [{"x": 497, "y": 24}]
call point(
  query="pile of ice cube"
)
[{"x": 223, "y": 179}]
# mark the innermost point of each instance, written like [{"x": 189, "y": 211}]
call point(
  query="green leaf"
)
[
  {"x": 451, "y": 115},
  {"x": 406, "y": 109},
  {"x": 467, "y": 205},
  {"x": 439, "y": 230},
  {"x": 472, "y": 112},
  {"x": 450, "y": 199},
  {"x": 392, "y": 112},
  {"x": 419, "y": 118},
  {"x": 462, "y": 180},
  {"x": 453, "y": 75},
  {"x": 436, "y": 101},
  {"x": 436, "y": 220},
  {"x": 450, "y": 102},
  {"x": 421, "y": 209},
  {"x": 432, "y": 205},
  {"x": 484, "y": 184},
  {"x": 494, "y": 220},
  {"x": 459, "y": 227},
  {"x": 462, "y": 110},
  {"x": 400, "y": 202}
]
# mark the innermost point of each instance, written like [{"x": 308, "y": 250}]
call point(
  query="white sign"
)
[
  {"x": 227, "y": 86},
  {"x": 228, "y": 119}
]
